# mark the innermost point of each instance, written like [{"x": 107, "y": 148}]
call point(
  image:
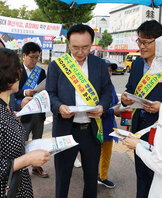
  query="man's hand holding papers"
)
[
  {"x": 126, "y": 100},
  {"x": 97, "y": 113},
  {"x": 136, "y": 102},
  {"x": 92, "y": 111},
  {"x": 153, "y": 107},
  {"x": 65, "y": 111}
]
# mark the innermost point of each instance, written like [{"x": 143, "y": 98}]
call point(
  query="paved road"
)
[{"x": 119, "y": 81}]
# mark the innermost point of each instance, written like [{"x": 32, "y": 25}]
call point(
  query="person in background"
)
[
  {"x": 31, "y": 76},
  {"x": 12, "y": 133},
  {"x": 146, "y": 86},
  {"x": 109, "y": 123},
  {"x": 81, "y": 125}
]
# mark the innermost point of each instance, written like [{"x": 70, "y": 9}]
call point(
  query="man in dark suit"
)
[
  {"x": 32, "y": 123},
  {"x": 82, "y": 126},
  {"x": 142, "y": 118}
]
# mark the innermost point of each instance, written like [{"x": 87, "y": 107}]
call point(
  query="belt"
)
[{"x": 81, "y": 126}]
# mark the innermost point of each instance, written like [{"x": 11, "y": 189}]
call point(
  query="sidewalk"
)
[{"x": 121, "y": 172}]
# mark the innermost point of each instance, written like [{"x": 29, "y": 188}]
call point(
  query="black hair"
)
[
  {"x": 2, "y": 43},
  {"x": 80, "y": 28},
  {"x": 31, "y": 47},
  {"x": 150, "y": 29},
  {"x": 10, "y": 69}
]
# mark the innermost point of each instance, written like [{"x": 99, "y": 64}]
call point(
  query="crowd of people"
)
[{"x": 79, "y": 78}]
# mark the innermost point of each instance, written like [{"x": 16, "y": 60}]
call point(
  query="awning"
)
[
  {"x": 122, "y": 50},
  {"x": 97, "y": 48}
]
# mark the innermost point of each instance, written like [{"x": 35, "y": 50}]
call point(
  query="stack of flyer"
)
[
  {"x": 53, "y": 145},
  {"x": 122, "y": 134}
]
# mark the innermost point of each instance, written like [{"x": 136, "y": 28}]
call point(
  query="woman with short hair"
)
[{"x": 12, "y": 133}]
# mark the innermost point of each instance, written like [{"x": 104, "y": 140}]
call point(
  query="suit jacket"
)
[
  {"x": 61, "y": 91},
  {"x": 155, "y": 95},
  {"x": 20, "y": 93}
]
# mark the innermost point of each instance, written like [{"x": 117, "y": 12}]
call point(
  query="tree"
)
[
  {"x": 59, "y": 12},
  {"x": 106, "y": 40},
  {"x": 22, "y": 13},
  {"x": 37, "y": 15},
  {"x": 4, "y": 9}
]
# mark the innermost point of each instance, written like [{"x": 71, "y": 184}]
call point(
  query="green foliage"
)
[
  {"x": 14, "y": 13},
  {"x": 59, "y": 42},
  {"x": 36, "y": 15},
  {"x": 22, "y": 13},
  {"x": 59, "y": 12},
  {"x": 106, "y": 40},
  {"x": 4, "y": 9}
]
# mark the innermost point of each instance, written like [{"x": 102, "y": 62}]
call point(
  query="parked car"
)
[
  {"x": 129, "y": 59},
  {"x": 120, "y": 69}
]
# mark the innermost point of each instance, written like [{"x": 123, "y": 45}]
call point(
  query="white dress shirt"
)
[{"x": 82, "y": 116}]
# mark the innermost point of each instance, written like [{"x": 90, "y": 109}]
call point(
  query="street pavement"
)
[{"x": 121, "y": 171}]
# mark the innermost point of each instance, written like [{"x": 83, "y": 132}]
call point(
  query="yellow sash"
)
[
  {"x": 81, "y": 83},
  {"x": 146, "y": 85}
]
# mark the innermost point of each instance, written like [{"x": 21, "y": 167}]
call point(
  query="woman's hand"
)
[
  {"x": 34, "y": 158},
  {"x": 131, "y": 142},
  {"x": 25, "y": 101},
  {"x": 38, "y": 157}
]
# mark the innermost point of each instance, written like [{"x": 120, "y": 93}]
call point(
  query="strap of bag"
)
[{"x": 9, "y": 178}]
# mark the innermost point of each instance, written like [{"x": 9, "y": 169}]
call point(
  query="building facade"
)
[{"x": 124, "y": 20}]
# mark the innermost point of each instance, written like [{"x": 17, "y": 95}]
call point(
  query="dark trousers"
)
[
  {"x": 35, "y": 125},
  {"x": 90, "y": 154},
  {"x": 144, "y": 174}
]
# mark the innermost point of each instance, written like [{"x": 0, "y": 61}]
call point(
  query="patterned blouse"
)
[{"x": 12, "y": 142}]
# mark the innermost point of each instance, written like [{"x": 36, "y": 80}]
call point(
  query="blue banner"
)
[{"x": 16, "y": 41}]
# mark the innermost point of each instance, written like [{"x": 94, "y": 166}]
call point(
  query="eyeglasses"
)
[
  {"x": 83, "y": 49},
  {"x": 145, "y": 43},
  {"x": 34, "y": 57}
]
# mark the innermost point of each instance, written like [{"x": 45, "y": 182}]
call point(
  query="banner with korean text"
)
[{"x": 16, "y": 32}]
